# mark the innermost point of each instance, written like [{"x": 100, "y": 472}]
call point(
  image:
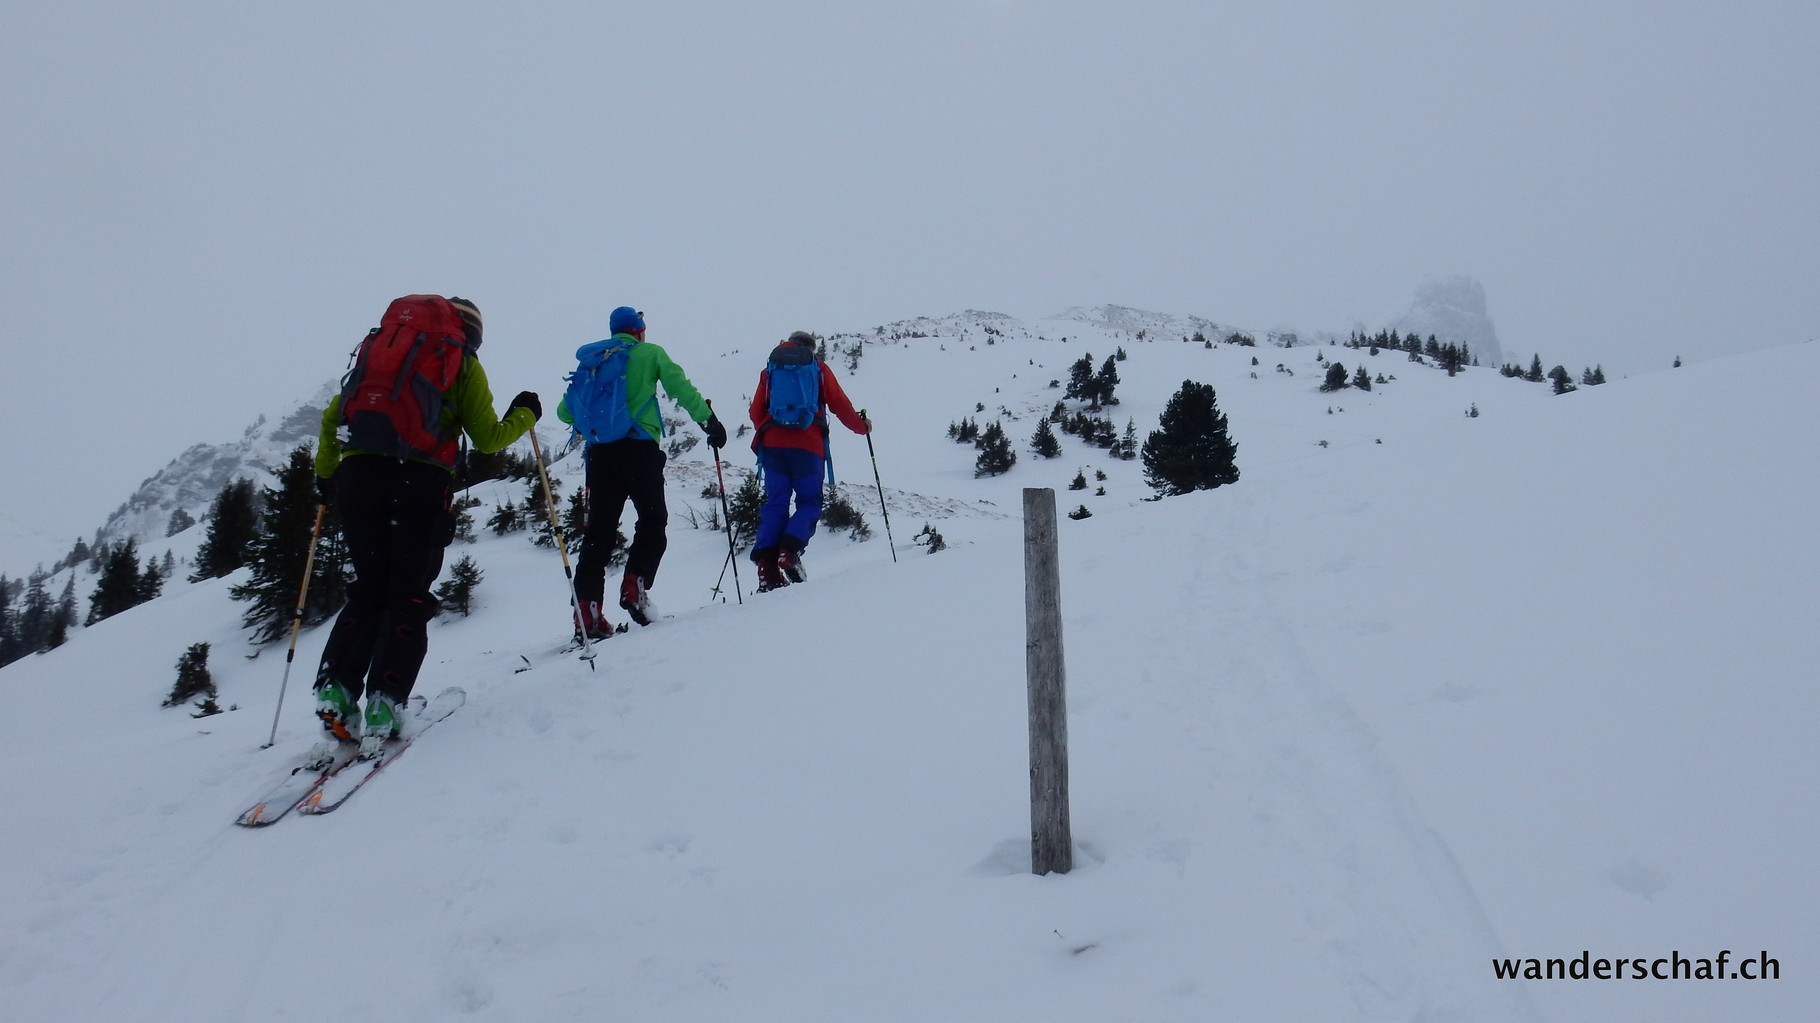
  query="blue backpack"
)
[
  {"x": 795, "y": 386},
  {"x": 597, "y": 398}
]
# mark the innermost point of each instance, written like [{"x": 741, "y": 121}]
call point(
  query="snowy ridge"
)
[
  {"x": 1131, "y": 321},
  {"x": 192, "y": 479},
  {"x": 1420, "y": 690}
]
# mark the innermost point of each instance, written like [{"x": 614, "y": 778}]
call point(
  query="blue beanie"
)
[{"x": 625, "y": 320}]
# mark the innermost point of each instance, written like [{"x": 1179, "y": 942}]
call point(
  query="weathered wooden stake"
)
[{"x": 1051, "y": 841}]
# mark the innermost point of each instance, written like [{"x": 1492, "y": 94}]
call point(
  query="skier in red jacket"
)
[{"x": 794, "y": 457}]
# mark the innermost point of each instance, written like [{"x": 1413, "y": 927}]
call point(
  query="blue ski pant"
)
[{"x": 789, "y": 472}]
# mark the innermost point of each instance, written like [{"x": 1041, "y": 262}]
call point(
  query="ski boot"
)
[
  {"x": 770, "y": 574},
  {"x": 591, "y": 624},
  {"x": 384, "y": 718},
  {"x": 633, "y": 599},
  {"x": 790, "y": 560},
  {"x": 340, "y": 715}
]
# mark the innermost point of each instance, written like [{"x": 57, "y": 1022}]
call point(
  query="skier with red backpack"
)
[
  {"x": 796, "y": 391},
  {"x": 386, "y": 461},
  {"x": 611, "y": 401}
]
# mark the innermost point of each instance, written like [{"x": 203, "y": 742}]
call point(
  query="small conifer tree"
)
[
  {"x": 151, "y": 581},
  {"x": 233, "y": 522},
  {"x": 1080, "y": 380},
  {"x": 1127, "y": 447},
  {"x": 63, "y": 619},
  {"x": 1191, "y": 449},
  {"x": 1562, "y": 380},
  {"x": 33, "y": 628},
  {"x": 996, "y": 457},
  {"x": 456, "y": 593},
  {"x": 743, "y": 507},
  {"x": 180, "y": 520},
  {"x": 508, "y": 518},
  {"x": 120, "y": 585},
  {"x": 464, "y": 517},
  {"x": 193, "y": 677},
  {"x": 281, "y": 548},
  {"x": 1043, "y": 442},
  {"x": 838, "y": 513},
  {"x": 575, "y": 520},
  {"x": 930, "y": 539},
  {"x": 10, "y": 647},
  {"x": 1336, "y": 378},
  {"x": 1106, "y": 381},
  {"x": 537, "y": 511}
]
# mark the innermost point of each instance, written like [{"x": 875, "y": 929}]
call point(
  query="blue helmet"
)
[{"x": 625, "y": 320}]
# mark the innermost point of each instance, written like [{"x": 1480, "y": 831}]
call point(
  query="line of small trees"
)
[
  {"x": 1449, "y": 356},
  {"x": 31, "y": 621},
  {"x": 1562, "y": 380},
  {"x": 1191, "y": 449}
]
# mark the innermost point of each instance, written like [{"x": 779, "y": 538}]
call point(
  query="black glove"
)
[
  {"x": 325, "y": 490},
  {"x": 717, "y": 434},
  {"x": 527, "y": 399}
]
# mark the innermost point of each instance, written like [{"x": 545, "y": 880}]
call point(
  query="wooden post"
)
[{"x": 1051, "y": 841}]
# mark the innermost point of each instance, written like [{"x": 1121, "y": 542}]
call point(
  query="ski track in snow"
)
[{"x": 716, "y": 822}]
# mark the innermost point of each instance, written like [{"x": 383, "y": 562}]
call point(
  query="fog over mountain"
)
[{"x": 1454, "y": 309}]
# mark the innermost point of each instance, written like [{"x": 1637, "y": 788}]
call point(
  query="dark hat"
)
[
  {"x": 470, "y": 318},
  {"x": 625, "y": 320},
  {"x": 802, "y": 337}
]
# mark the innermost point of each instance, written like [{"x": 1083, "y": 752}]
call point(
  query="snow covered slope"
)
[{"x": 1421, "y": 690}]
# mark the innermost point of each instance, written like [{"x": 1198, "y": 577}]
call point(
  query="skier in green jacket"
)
[
  {"x": 631, "y": 467},
  {"x": 394, "y": 486}
]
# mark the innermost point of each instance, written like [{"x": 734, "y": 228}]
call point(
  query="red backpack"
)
[{"x": 391, "y": 401}]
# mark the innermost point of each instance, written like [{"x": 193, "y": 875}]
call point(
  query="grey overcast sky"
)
[{"x": 206, "y": 202}]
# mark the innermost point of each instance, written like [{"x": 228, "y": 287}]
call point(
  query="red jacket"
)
[{"x": 809, "y": 438}]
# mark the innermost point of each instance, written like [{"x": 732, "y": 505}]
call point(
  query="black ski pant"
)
[
  {"x": 630, "y": 468},
  {"x": 396, "y": 519}
]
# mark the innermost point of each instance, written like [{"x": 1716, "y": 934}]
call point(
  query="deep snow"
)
[{"x": 1418, "y": 691}]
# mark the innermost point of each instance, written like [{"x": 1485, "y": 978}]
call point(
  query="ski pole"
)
[
  {"x": 303, "y": 595},
  {"x": 722, "y": 577},
  {"x": 726, "y": 513},
  {"x": 886, "y": 512},
  {"x": 562, "y": 547}
]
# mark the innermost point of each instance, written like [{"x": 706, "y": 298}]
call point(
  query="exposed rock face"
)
[
  {"x": 1453, "y": 309},
  {"x": 192, "y": 479}
]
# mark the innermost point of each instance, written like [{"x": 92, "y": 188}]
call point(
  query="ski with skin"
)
[
  {"x": 300, "y": 784},
  {"x": 341, "y": 785}
]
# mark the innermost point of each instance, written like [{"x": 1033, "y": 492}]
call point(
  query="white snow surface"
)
[{"x": 1419, "y": 691}]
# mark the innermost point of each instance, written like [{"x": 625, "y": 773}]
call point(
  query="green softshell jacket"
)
[
  {"x": 646, "y": 365},
  {"x": 468, "y": 406}
]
